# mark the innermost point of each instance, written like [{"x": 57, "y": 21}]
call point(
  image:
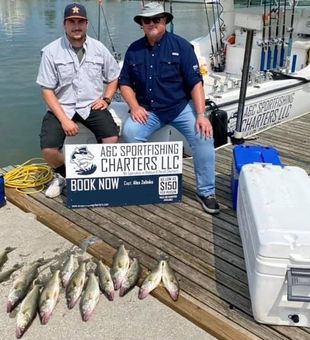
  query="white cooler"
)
[{"x": 273, "y": 213}]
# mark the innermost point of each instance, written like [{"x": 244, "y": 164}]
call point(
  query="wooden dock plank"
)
[{"x": 205, "y": 251}]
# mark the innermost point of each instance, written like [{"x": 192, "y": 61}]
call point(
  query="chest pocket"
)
[
  {"x": 65, "y": 72},
  {"x": 136, "y": 71},
  {"x": 94, "y": 68},
  {"x": 169, "y": 69}
]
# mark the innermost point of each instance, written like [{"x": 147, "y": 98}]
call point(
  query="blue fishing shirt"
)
[{"x": 162, "y": 75}]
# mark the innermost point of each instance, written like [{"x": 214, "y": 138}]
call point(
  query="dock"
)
[{"x": 205, "y": 251}]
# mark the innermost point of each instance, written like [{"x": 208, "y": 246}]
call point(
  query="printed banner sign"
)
[{"x": 123, "y": 174}]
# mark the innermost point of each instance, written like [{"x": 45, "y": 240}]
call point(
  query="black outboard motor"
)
[{"x": 219, "y": 121}]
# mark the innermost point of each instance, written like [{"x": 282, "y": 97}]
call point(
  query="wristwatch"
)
[{"x": 107, "y": 100}]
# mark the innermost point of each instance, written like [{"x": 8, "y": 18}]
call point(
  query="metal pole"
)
[
  {"x": 237, "y": 138},
  {"x": 99, "y": 4},
  {"x": 290, "y": 40}
]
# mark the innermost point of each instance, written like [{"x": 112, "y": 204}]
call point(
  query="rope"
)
[{"x": 28, "y": 175}]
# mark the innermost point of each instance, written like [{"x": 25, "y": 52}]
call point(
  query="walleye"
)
[
  {"x": 4, "y": 276},
  {"x": 75, "y": 286},
  {"x": 151, "y": 281},
  {"x": 4, "y": 255},
  {"x": 67, "y": 271},
  {"x": 90, "y": 297},
  {"x": 49, "y": 297},
  {"x": 170, "y": 281},
  {"x": 21, "y": 285},
  {"x": 120, "y": 266},
  {"x": 131, "y": 278},
  {"x": 27, "y": 311},
  {"x": 105, "y": 280}
]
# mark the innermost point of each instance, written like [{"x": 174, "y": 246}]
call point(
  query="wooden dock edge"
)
[{"x": 206, "y": 318}]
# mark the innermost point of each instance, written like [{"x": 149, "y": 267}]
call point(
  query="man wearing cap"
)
[
  {"x": 72, "y": 75},
  {"x": 161, "y": 82}
]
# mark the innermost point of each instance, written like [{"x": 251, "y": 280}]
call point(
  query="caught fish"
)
[
  {"x": 49, "y": 297},
  {"x": 105, "y": 280},
  {"x": 90, "y": 297},
  {"x": 151, "y": 281},
  {"x": 131, "y": 278},
  {"x": 21, "y": 286},
  {"x": 27, "y": 311},
  {"x": 75, "y": 286},
  {"x": 170, "y": 281},
  {"x": 4, "y": 276},
  {"x": 4, "y": 255},
  {"x": 67, "y": 271},
  {"x": 120, "y": 266}
]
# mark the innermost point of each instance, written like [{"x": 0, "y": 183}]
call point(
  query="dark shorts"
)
[{"x": 100, "y": 122}]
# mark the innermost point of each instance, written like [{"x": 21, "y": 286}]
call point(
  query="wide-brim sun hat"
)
[{"x": 152, "y": 9}]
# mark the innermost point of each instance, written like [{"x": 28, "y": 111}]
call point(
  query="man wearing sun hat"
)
[
  {"x": 161, "y": 83},
  {"x": 73, "y": 72}
]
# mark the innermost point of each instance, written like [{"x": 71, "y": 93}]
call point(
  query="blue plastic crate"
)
[{"x": 247, "y": 154}]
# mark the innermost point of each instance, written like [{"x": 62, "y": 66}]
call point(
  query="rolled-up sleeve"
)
[
  {"x": 47, "y": 75},
  {"x": 190, "y": 68}
]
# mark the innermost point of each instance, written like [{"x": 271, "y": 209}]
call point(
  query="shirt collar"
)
[{"x": 157, "y": 42}]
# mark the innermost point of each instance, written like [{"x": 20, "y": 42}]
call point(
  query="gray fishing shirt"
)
[{"x": 76, "y": 85}]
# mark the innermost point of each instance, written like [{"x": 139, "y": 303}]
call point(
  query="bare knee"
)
[
  {"x": 54, "y": 157},
  {"x": 109, "y": 140}
]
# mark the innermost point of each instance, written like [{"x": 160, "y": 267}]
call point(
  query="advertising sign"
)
[{"x": 123, "y": 174}]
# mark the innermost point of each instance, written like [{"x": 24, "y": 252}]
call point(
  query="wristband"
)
[{"x": 107, "y": 100}]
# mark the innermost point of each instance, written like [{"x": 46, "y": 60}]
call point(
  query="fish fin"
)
[
  {"x": 18, "y": 265},
  {"x": 49, "y": 295},
  {"x": 26, "y": 310},
  {"x": 9, "y": 249}
]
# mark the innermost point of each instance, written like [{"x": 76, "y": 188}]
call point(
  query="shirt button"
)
[
  {"x": 151, "y": 66},
  {"x": 150, "y": 77},
  {"x": 153, "y": 55},
  {"x": 150, "y": 89}
]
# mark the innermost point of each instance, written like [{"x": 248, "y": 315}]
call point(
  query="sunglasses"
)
[{"x": 155, "y": 20}]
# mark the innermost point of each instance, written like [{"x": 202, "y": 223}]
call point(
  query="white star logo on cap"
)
[{"x": 75, "y": 10}]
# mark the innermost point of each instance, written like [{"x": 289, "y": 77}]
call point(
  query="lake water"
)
[{"x": 28, "y": 25}]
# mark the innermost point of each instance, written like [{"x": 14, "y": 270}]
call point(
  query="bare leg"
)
[
  {"x": 109, "y": 140},
  {"x": 53, "y": 157}
]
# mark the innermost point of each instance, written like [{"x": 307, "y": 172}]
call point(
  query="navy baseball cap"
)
[{"x": 75, "y": 11}]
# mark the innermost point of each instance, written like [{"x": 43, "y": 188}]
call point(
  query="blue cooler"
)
[{"x": 245, "y": 154}]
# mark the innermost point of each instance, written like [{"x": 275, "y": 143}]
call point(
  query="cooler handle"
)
[
  {"x": 297, "y": 277},
  {"x": 299, "y": 259}
]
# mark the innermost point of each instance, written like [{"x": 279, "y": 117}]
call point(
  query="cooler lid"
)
[
  {"x": 247, "y": 154},
  {"x": 279, "y": 203}
]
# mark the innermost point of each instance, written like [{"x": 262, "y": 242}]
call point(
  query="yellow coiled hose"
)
[{"x": 29, "y": 175}]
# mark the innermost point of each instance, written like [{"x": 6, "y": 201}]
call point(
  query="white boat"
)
[{"x": 277, "y": 85}]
